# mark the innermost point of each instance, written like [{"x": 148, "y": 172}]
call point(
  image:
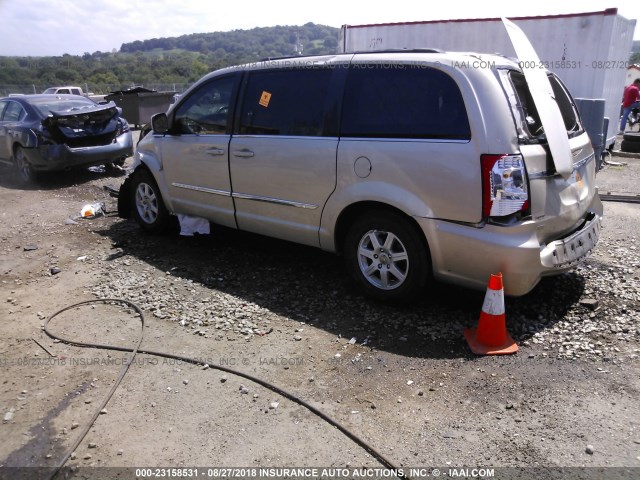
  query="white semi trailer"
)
[{"x": 588, "y": 51}]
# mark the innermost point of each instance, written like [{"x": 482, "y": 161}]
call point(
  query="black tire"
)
[
  {"x": 631, "y": 147},
  {"x": 404, "y": 278},
  {"x": 631, "y": 137},
  {"x": 24, "y": 171},
  {"x": 146, "y": 202}
]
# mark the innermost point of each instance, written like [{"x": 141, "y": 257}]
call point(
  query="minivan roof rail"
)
[
  {"x": 403, "y": 50},
  {"x": 389, "y": 50}
]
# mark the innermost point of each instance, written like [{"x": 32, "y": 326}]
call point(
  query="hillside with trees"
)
[
  {"x": 163, "y": 63},
  {"x": 171, "y": 63},
  {"x": 248, "y": 45}
]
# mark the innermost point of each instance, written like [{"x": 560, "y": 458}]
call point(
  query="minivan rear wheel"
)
[
  {"x": 386, "y": 256},
  {"x": 148, "y": 207}
]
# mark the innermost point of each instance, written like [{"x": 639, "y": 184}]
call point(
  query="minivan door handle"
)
[
  {"x": 215, "y": 151},
  {"x": 243, "y": 153}
]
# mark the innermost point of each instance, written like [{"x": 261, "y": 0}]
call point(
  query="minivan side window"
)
[
  {"x": 567, "y": 107},
  {"x": 286, "y": 102},
  {"x": 403, "y": 101},
  {"x": 530, "y": 113},
  {"x": 525, "y": 104},
  {"x": 206, "y": 111}
]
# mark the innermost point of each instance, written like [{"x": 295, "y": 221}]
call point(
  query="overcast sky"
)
[{"x": 55, "y": 27}]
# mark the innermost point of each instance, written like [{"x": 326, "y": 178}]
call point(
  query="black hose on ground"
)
[{"x": 135, "y": 350}]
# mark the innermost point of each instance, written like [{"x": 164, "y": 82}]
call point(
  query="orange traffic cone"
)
[{"x": 491, "y": 336}]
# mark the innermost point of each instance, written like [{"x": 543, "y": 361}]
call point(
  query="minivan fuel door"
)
[{"x": 542, "y": 94}]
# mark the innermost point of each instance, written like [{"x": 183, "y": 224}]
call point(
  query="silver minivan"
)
[{"x": 412, "y": 165}]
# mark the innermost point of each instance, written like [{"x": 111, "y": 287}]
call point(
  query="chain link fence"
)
[{"x": 93, "y": 89}]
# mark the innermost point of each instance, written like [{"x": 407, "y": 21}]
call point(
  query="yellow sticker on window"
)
[{"x": 265, "y": 98}]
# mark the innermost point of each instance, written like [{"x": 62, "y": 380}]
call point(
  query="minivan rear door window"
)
[{"x": 286, "y": 102}]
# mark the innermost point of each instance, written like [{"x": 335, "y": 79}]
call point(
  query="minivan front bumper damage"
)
[{"x": 467, "y": 255}]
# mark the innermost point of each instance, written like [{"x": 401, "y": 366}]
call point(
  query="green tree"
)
[{"x": 330, "y": 42}]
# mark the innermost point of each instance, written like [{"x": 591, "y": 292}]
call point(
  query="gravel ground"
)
[{"x": 219, "y": 304}]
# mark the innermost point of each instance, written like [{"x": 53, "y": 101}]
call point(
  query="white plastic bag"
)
[
  {"x": 92, "y": 210},
  {"x": 190, "y": 225}
]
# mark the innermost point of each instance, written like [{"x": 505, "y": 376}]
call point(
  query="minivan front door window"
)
[{"x": 206, "y": 111}]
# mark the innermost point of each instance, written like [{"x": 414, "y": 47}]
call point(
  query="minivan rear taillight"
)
[{"x": 504, "y": 185}]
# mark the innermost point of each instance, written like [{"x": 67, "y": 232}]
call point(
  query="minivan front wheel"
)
[
  {"x": 148, "y": 208},
  {"x": 386, "y": 256}
]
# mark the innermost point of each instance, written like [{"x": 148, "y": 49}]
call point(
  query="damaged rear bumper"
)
[
  {"x": 468, "y": 256},
  {"x": 60, "y": 157}
]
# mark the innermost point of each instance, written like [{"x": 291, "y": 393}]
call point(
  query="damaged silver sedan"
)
[{"x": 48, "y": 133}]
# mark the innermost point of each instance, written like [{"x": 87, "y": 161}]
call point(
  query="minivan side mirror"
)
[{"x": 160, "y": 123}]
